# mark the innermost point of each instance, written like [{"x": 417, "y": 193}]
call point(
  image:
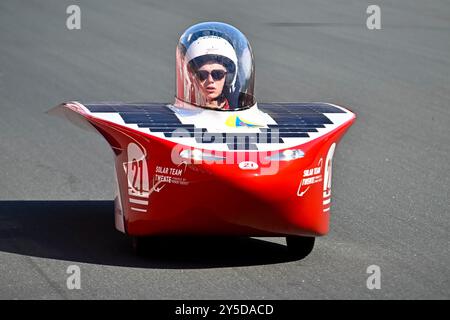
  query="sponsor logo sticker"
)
[{"x": 248, "y": 165}]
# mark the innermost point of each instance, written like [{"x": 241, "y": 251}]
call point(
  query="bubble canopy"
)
[{"x": 214, "y": 68}]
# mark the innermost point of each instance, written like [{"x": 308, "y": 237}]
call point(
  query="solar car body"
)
[
  {"x": 250, "y": 169},
  {"x": 263, "y": 171}
]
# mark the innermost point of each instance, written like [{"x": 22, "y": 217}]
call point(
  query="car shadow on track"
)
[{"x": 83, "y": 231}]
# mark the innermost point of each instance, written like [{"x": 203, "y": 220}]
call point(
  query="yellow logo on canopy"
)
[{"x": 236, "y": 121}]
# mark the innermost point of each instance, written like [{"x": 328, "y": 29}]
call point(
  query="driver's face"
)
[{"x": 210, "y": 85}]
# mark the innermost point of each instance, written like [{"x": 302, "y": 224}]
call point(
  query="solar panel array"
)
[{"x": 294, "y": 120}]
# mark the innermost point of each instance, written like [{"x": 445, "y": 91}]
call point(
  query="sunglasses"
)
[{"x": 202, "y": 75}]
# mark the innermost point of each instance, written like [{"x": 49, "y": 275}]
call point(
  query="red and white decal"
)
[
  {"x": 138, "y": 179},
  {"x": 327, "y": 179},
  {"x": 248, "y": 165},
  {"x": 310, "y": 176},
  {"x": 169, "y": 175}
]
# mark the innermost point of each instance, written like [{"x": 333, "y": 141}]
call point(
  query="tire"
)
[
  {"x": 139, "y": 245},
  {"x": 300, "y": 247}
]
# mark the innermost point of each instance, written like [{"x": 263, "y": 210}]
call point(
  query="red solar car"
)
[{"x": 216, "y": 161}]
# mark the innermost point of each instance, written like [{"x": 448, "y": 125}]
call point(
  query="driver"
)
[
  {"x": 212, "y": 63},
  {"x": 214, "y": 68}
]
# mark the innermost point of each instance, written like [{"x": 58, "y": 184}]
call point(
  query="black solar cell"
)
[
  {"x": 294, "y": 120},
  {"x": 250, "y": 146}
]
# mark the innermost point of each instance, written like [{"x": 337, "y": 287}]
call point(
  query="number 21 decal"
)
[
  {"x": 327, "y": 179},
  {"x": 137, "y": 171}
]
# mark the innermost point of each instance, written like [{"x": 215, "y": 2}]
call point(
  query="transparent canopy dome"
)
[{"x": 214, "y": 68}]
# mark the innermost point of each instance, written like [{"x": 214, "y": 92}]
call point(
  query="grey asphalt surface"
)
[{"x": 390, "y": 177}]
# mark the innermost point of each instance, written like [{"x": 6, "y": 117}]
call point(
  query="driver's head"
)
[
  {"x": 212, "y": 62},
  {"x": 212, "y": 74},
  {"x": 214, "y": 68}
]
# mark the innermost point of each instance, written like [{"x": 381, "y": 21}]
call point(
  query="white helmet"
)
[
  {"x": 221, "y": 43},
  {"x": 214, "y": 48}
]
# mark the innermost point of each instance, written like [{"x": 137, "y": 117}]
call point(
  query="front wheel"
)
[
  {"x": 139, "y": 245},
  {"x": 299, "y": 247}
]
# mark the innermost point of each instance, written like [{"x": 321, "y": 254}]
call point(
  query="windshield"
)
[{"x": 214, "y": 67}]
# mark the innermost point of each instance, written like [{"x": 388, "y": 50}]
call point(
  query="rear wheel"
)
[
  {"x": 139, "y": 245},
  {"x": 299, "y": 247}
]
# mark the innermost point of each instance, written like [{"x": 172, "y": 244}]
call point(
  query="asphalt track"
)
[{"x": 391, "y": 171}]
